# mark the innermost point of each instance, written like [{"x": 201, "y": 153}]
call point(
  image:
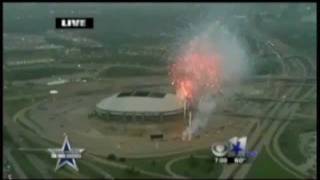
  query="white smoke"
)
[
  {"x": 200, "y": 120},
  {"x": 216, "y": 38},
  {"x": 205, "y": 108}
]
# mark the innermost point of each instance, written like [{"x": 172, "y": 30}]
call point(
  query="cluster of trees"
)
[
  {"x": 130, "y": 170},
  {"x": 113, "y": 157}
]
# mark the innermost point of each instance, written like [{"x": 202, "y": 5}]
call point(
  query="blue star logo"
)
[
  {"x": 236, "y": 148},
  {"x": 66, "y": 155}
]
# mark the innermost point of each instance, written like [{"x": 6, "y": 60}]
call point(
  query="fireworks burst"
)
[{"x": 194, "y": 73}]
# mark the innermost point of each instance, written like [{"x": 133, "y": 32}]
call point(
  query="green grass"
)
[
  {"x": 13, "y": 106},
  {"x": 13, "y": 172},
  {"x": 197, "y": 168},
  {"x": 308, "y": 109},
  {"x": 32, "y": 121},
  {"x": 122, "y": 71},
  {"x": 285, "y": 30},
  {"x": 118, "y": 172},
  {"x": 86, "y": 170},
  {"x": 289, "y": 139},
  {"x": 84, "y": 93},
  {"x": 68, "y": 172},
  {"x": 32, "y": 144},
  {"x": 27, "y": 166},
  {"x": 146, "y": 60},
  {"x": 26, "y": 127},
  {"x": 31, "y": 54},
  {"x": 142, "y": 60},
  {"x": 29, "y": 169},
  {"x": 64, "y": 172},
  {"x": 26, "y": 92},
  {"x": 51, "y": 142},
  {"x": 157, "y": 164},
  {"x": 19, "y": 156},
  {"x": 266, "y": 65},
  {"x": 7, "y": 139},
  {"x": 264, "y": 167},
  {"x": 35, "y": 73}
]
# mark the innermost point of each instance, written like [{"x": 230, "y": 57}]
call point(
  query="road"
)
[
  {"x": 294, "y": 70},
  {"x": 14, "y": 164},
  {"x": 275, "y": 141},
  {"x": 235, "y": 171}
]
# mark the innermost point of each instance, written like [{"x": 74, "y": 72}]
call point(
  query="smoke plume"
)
[{"x": 216, "y": 39}]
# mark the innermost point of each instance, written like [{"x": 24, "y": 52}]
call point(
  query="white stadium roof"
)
[{"x": 143, "y": 102}]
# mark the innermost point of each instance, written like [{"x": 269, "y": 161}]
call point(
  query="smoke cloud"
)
[
  {"x": 205, "y": 108},
  {"x": 215, "y": 38}
]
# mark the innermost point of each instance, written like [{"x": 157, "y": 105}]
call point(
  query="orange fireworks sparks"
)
[{"x": 194, "y": 73}]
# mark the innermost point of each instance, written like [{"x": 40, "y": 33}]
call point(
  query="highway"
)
[
  {"x": 274, "y": 118},
  {"x": 263, "y": 136}
]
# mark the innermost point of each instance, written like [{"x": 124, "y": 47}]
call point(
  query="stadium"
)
[{"x": 139, "y": 105}]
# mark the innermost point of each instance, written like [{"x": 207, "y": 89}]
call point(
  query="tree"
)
[
  {"x": 122, "y": 159},
  {"x": 112, "y": 157},
  {"x": 132, "y": 170}
]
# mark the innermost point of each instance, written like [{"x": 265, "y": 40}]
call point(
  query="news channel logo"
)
[{"x": 233, "y": 151}]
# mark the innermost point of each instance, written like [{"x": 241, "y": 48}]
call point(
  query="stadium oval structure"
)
[{"x": 140, "y": 104}]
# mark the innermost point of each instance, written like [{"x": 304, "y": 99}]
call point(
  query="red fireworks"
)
[{"x": 195, "y": 73}]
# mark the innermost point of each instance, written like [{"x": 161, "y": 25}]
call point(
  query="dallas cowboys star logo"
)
[
  {"x": 66, "y": 155},
  {"x": 236, "y": 148},
  {"x": 238, "y": 145}
]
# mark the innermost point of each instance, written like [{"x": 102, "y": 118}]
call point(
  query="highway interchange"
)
[{"x": 276, "y": 115}]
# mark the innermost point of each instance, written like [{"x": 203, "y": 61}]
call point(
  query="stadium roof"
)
[{"x": 141, "y": 102}]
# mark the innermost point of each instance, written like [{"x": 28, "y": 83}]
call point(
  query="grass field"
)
[
  {"x": 25, "y": 92},
  {"x": 8, "y": 141},
  {"x": 29, "y": 169},
  {"x": 158, "y": 164},
  {"x": 266, "y": 65},
  {"x": 197, "y": 168},
  {"x": 121, "y": 173},
  {"x": 289, "y": 139},
  {"x": 265, "y": 167},
  {"x": 35, "y": 73},
  {"x": 65, "y": 172},
  {"x": 27, "y": 166},
  {"x": 13, "y": 106},
  {"x": 24, "y": 125},
  {"x": 143, "y": 60},
  {"x": 32, "y": 121},
  {"x": 125, "y": 71}
]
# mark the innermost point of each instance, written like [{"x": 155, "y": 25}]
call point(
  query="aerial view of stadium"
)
[{"x": 159, "y": 90}]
